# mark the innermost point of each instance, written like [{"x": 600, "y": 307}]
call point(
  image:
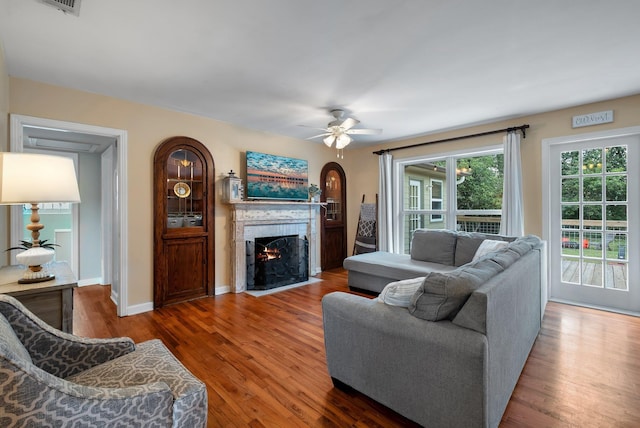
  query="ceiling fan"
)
[{"x": 339, "y": 130}]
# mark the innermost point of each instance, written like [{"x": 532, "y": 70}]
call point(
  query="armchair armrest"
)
[{"x": 58, "y": 353}]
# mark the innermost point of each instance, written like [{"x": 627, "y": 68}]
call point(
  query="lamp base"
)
[{"x": 47, "y": 277}]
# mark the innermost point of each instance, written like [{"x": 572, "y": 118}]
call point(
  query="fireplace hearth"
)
[{"x": 276, "y": 261}]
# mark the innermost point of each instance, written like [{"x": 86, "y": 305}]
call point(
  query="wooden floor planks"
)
[{"x": 263, "y": 361}]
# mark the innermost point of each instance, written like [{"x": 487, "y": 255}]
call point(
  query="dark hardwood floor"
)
[{"x": 263, "y": 361}]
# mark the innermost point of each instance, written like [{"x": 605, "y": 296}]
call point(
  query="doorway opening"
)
[{"x": 33, "y": 133}]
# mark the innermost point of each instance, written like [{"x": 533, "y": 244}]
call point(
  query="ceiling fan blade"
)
[
  {"x": 314, "y": 127},
  {"x": 319, "y": 135},
  {"x": 349, "y": 123},
  {"x": 364, "y": 131}
]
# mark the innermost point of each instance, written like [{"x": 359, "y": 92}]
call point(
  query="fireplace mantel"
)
[{"x": 252, "y": 219}]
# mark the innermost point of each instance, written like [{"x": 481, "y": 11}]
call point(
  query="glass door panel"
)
[{"x": 589, "y": 259}]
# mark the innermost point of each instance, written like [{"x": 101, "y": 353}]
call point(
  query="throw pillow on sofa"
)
[
  {"x": 468, "y": 243},
  {"x": 488, "y": 246},
  {"x": 442, "y": 295},
  {"x": 399, "y": 293}
]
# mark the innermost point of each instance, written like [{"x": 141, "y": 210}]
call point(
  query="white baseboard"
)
[
  {"x": 222, "y": 289},
  {"x": 90, "y": 281},
  {"x": 140, "y": 308}
]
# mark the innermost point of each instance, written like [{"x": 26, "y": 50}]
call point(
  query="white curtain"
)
[
  {"x": 385, "y": 210},
  {"x": 512, "y": 223}
]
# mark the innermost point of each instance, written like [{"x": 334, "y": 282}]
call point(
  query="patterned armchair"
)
[{"x": 51, "y": 378}]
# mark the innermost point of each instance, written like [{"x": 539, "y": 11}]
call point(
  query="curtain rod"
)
[{"x": 463, "y": 137}]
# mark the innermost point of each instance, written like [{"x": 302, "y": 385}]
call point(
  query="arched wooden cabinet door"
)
[
  {"x": 183, "y": 221},
  {"x": 333, "y": 232}
]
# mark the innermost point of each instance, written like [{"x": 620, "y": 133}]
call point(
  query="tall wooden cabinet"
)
[
  {"x": 184, "y": 194},
  {"x": 333, "y": 184}
]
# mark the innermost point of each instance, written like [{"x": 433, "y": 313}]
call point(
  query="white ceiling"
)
[{"x": 411, "y": 67}]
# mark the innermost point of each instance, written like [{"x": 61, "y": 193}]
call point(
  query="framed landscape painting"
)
[{"x": 277, "y": 177}]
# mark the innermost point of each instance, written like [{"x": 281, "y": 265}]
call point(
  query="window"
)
[
  {"x": 464, "y": 192},
  {"x": 436, "y": 199},
  {"x": 415, "y": 204}
]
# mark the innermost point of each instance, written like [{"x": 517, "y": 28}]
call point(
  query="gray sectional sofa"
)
[{"x": 452, "y": 355}]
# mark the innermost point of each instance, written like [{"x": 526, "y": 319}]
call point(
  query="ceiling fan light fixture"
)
[
  {"x": 342, "y": 141},
  {"x": 329, "y": 140}
]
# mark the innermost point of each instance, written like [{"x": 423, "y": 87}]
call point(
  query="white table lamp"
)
[{"x": 31, "y": 179}]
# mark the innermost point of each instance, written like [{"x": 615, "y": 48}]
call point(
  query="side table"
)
[{"x": 51, "y": 301}]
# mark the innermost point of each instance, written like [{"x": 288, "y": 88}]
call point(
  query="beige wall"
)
[
  {"x": 4, "y": 146},
  {"x": 147, "y": 127},
  {"x": 362, "y": 165}
]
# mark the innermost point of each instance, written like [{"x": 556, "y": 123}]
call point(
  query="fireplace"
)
[
  {"x": 258, "y": 219},
  {"x": 276, "y": 261}
]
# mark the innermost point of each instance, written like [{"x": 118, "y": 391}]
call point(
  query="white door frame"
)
[
  {"x": 17, "y": 124},
  {"x": 547, "y": 144}
]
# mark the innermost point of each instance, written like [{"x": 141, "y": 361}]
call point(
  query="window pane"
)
[
  {"x": 436, "y": 189},
  {"x": 592, "y": 217},
  {"x": 570, "y": 189},
  {"x": 570, "y": 242},
  {"x": 617, "y": 188},
  {"x": 617, "y": 246},
  {"x": 478, "y": 223},
  {"x": 616, "y": 217},
  {"x": 418, "y": 187},
  {"x": 616, "y": 159},
  {"x": 570, "y": 271},
  {"x": 592, "y": 189},
  {"x": 617, "y": 275},
  {"x": 570, "y": 163},
  {"x": 570, "y": 216},
  {"x": 592, "y": 161},
  {"x": 479, "y": 182},
  {"x": 592, "y": 272},
  {"x": 592, "y": 244}
]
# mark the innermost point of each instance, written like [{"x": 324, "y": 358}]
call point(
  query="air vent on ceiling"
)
[{"x": 67, "y": 6}]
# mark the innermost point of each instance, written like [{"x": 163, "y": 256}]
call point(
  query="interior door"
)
[
  {"x": 333, "y": 235},
  {"x": 594, "y": 222}
]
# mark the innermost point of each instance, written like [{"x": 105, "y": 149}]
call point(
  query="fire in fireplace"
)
[{"x": 276, "y": 261}]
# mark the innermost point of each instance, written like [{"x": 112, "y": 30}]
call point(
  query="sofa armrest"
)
[
  {"x": 54, "y": 351},
  {"x": 426, "y": 371}
]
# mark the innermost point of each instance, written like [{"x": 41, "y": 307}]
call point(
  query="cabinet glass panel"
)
[
  {"x": 333, "y": 188},
  {"x": 184, "y": 189}
]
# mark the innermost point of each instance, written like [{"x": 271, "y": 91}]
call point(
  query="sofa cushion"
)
[
  {"x": 488, "y": 246},
  {"x": 466, "y": 246},
  {"x": 9, "y": 342},
  {"x": 399, "y": 293},
  {"x": 436, "y": 246},
  {"x": 391, "y": 265},
  {"x": 441, "y": 295}
]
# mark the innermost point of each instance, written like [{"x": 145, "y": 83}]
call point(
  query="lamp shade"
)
[{"x": 35, "y": 178}]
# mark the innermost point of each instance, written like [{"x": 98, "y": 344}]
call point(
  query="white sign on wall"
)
[{"x": 593, "y": 118}]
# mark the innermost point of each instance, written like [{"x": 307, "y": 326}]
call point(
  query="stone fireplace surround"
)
[{"x": 255, "y": 219}]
